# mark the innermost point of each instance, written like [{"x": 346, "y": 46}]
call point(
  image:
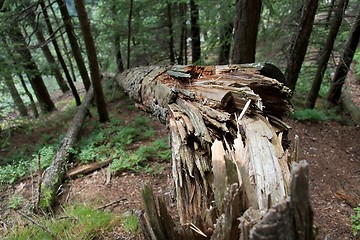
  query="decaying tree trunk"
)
[
  {"x": 55, "y": 173},
  {"x": 229, "y": 163}
]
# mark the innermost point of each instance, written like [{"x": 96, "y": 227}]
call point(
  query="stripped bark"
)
[
  {"x": 227, "y": 139},
  {"x": 55, "y": 173}
]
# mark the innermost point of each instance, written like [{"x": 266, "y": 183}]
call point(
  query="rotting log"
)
[
  {"x": 55, "y": 173},
  {"x": 229, "y": 157}
]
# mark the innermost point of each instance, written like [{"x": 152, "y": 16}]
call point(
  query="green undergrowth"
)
[
  {"x": 130, "y": 145},
  {"x": 123, "y": 144},
  {"x": 316, "y": 115},
  {"x": 74, "y": 223},
  {"x": 355, "y": 221}
]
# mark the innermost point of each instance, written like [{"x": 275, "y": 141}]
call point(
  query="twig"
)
[
  {"x": 37, "y": 224},
  {"x": 111, "y": 203},
  {"x": 37, "y": 202}
]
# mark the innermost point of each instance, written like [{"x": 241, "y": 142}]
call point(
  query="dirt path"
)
[{"x": 332, "y": 151}]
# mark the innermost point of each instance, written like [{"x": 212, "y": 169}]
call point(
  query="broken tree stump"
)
[
  {"x": 54, "y": 174},
  {"x": 229, "y": 157}
]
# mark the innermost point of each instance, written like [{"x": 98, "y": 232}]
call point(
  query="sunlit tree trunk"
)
[
  {"x": 93, "y": 61},
  {"x": 195, "y": 32},
  {"x": 325, "y": 54},
  {"x": 246, "y": 29},
  {"x": 301, "y": 41},
  {"x": 74, "y": 44},
  {"x": 342, "y": 69}
]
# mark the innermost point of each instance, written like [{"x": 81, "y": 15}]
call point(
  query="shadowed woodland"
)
[{"x": 179, "y": 119}]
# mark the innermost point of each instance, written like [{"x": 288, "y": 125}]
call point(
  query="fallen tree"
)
[
  {"x": 55, "y": 173},
  {"x": 230, "y": 165}
]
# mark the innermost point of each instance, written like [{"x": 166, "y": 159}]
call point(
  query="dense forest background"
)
[{"x": 40, "y": 42}]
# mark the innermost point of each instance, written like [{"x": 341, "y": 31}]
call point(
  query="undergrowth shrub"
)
[{"x": 76, "y": 222}]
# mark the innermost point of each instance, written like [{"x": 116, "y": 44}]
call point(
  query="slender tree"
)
[
  {"x": 182, "y": 58},
  {"x": 195, "y": 32},
  {"x": 19, "y": 103},
  {"x": 32, "y": 70},
  {"x": 47, "y": 53},
  {"x": 300, "y": 43},
  {"x": 58, "y": 53},
  {"x": 246, "y": 29},
  {"x": 27, "y": 92},
  {"x": 74, "y": 44},
  {"x": 347, "y": 56},
  {"x": 64, "y": 43},
  {"x": 226, "y": 30},
  {"x": 171, "y": 32},
  {"x": 93, "y": 61},
  {"x": 129, "y": 33},
  {"x": 325, "y": 54}
]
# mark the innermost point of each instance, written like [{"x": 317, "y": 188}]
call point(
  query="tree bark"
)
[
  {"x": 342, "y": 69},
  {"x": 195, "y": 32},
  {"x": 228, "y": 157},
  {"x": 93, "y": 61},
  {"x": 59, "y": 55},
  {"x": 37, "y": 83},
  {"x": 246, "y": 28},
  {"x": 325, "y": 54},
  {"x": 74, "y": 44},
  {"x": 54, "y": 174},
  {"x": 301, "y": 41}
]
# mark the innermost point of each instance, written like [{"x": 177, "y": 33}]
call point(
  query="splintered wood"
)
[{"x": 227, "y": 140}]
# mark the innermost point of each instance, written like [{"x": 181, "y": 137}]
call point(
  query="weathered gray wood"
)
[
  {"x": 227, "y": 156},
  {"x": 54, "y": 174}
]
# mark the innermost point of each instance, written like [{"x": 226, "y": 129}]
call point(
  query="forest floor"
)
[{"x": 332, "y": 149}]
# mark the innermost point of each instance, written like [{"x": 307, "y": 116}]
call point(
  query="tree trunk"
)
[
  {"x": 32, "y": 102},
  {"x": 59, "y": 55},
  {"x": 67, "y": 52},
  {"x": 246, "y": 28},
  {"x": 129, "y": 33},
  {"x": 301, "y": 41},
  {"x": 118, "y": 56},
  {"x": 48, "y": 55},
  {"x": 195, "y": 32},
  {"x": 9, "y": 82},
  {"x": 171, "y": 33},
  {"x": 93, "y": 61},
  {"x": 225, "y": 42},
  {"x": 74, "y": 44},
  {"x": 342, "y": 69},
  {"x": 54, "y": 174},
  {"x": 182, "y": 59},
  {"x": 227, "y": 151},
  {"x": 325, "y": 54},
  {"x": 33, "y": 73}
]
